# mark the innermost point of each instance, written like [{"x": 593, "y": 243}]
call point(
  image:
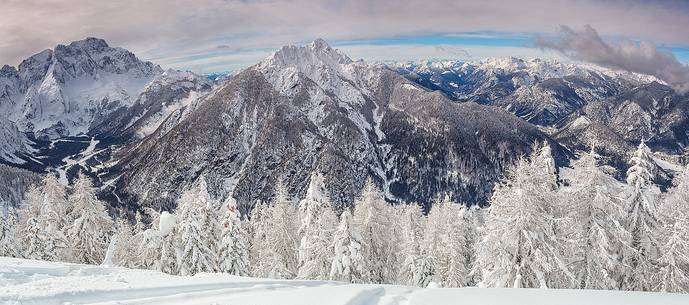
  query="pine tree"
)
[
  {"x": 212, "y": 229},
  {"x": 8, "y": 243},
  {"x": 673, "y": 273},
  {"x": 673, "y": 270},
  {"x": 34, "y": 242},
  {"x": 435, "y": 238},
  {"x": 125, "y": 251},
  {"x": 474, "y": 220},
  {"x": 281, "y": 256},
  {"x": 234, "y": 250},
  {"x": 170, "y": 253},
  {"x": 148, "y": 242},
  {"x": 348, "y": 263},
  {"x": 197, "y": 249},
  {"x": 372, "y": 221},
  {"x": 54, "y": 216},
  {"x": 597, "y": 235},
  {"x": 317, "y": 226},
  {"x": 520, "y": 246},
  {"x": 417, "y": 268},
  {"x": 89, "y": 234},
  {"x": 459, "y": 249},
  {"x": 642, "y": 220},
  {"x": 138, "y": 223},
  {"x": 55, "y": 200},
  {"x": 258, "y": 227},
  {"x": 43, "y": 219},
  {"x": 445, "y": 241}
]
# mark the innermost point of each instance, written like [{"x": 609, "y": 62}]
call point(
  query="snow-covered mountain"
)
[
  {"x": 540, "y": 91},
  {"x": 580, "y": 105},
  {"x": 67, "y": 90},
  {"x": 651, "y": 112},
  {"x": 420, "y": 129},
  {"x": 90, "y": 88},
  {"x": 311, "y": 108},
  {"x": 167, "y": 93}
]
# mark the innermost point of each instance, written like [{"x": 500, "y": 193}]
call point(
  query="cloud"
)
[
  {"x": 161, "y": 29},
  {"x": 642, "y": 57}
]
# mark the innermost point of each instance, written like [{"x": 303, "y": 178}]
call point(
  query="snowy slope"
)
[{"x": 37, "y": 282}]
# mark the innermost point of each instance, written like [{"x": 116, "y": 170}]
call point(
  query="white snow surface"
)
[
  {"x": 37, "y": 282},
  {"x": 167, "y": 223}
]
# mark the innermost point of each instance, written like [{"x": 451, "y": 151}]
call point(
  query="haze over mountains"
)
[{"x": 419, "y": 129}]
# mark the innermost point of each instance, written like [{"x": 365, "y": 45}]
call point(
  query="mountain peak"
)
[
  {"x": 91, "y": 43},
  {"x": 317, "y": 53},
  {"x": 319, "y": 44},
  {"x": 8, "y": 70}
]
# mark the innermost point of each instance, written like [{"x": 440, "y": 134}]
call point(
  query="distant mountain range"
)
[{"x": 419, "y": 129}]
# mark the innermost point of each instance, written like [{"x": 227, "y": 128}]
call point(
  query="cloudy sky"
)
[{"x": 223, "y": 35}]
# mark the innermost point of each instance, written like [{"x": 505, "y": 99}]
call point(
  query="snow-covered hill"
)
[{"x": 27, "y": 282}]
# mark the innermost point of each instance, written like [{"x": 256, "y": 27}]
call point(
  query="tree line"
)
[{"x": 573, "y": 227}]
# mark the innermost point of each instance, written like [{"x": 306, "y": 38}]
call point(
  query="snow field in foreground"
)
[{"x": 36, "y": 282}]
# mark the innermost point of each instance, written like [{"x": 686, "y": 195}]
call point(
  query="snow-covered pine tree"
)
[
  {"x": 90, "y": 232},
  {"x": 149, "y": 241},
  {"x": 417, "y": 268},
  {"x": 34, "y": 243},
  {"x": 642, "y": 220},
  {"x": 673, "y": 264},
  {"x": 318, "y": 222},
  {"x": 125, "y": 251},
  {"x": 372, "y": 219},
  {"x": 474, "y": 221},
  {"x": 280, "y": 256},
  {"x": 167, "y": 238},
  {"x": 520, "y": 247},
  {"x": 212, "y": 227},
  {"x": 197, "y": 248},
  {"x": 458, "y": 248},
  {"x": 673, "y": 271},
  {"x": 55, "y": 200},
  {"x": 597, "y": 233},
  {"x": 55, "y": 216},
  {"x": 256, "y": 227},
  {"x": 138, "y": 223},
  {"x": 348, "y": 263},
  {"x": 445, "y": 241},
  {"x": 436, "y": 237},
  {"x": 234, "y": 249},
  {"x": 8, "y": 221}
]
